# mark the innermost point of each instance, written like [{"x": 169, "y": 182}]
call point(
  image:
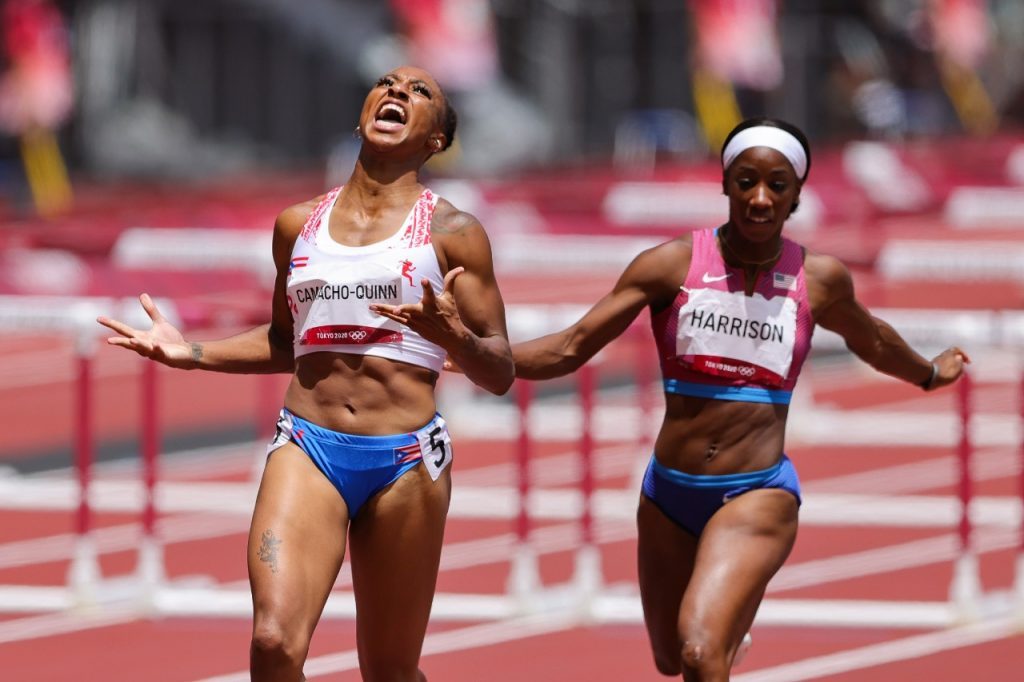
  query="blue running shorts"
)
[
  {"x": 361, "y": 466},
  {"x": 690, "y": 500}
]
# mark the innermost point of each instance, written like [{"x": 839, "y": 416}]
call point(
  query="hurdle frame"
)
[{"x": 585, "y": 593}]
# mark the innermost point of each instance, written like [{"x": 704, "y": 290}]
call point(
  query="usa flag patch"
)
[{"x": 783, "y": 281}]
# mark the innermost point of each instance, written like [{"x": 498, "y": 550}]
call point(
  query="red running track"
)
[{"x": 829, "y": 561}]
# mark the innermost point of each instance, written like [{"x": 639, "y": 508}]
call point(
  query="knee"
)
[
  {"x": 703, "y": 656},
  {"x": 276, "y": 644}
]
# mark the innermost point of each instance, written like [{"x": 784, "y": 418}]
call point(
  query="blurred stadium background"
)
[{"x": 147, "y": 145}]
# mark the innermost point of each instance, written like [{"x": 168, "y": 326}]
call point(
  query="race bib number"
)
[{"x": 436, "y": 446}]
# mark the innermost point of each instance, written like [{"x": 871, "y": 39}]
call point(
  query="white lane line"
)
[
  {"x": 888, "y": 559},
  {"x": 119, "y": 538},
  {"x": 893, "y": 651},
  {"x": 559, "y": 469},
  {"x": 934, "y": 472},
  {"x": 55, "y": 366},
  {"x": 459, "y": 639},
  {"x": 51, "y": 624}
]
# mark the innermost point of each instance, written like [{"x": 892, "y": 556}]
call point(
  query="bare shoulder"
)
[
  {"x": 659, "y": 271},
  {"x": 671, "y": 252},
  {"x": 287, "y": 227},
  {"x": 825, "y": 270},
  {"x": 828, "y": 281},
  {"x": 667, "y": 261},
  {"x": 449, "y": 220},
  {"x": 290, "y": 221}
]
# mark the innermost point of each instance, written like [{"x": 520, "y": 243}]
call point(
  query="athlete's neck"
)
[
  {"x": 737, "y": 255},
  {"x": 374, "y": 190},
  {"x": 385, "y": 171}
]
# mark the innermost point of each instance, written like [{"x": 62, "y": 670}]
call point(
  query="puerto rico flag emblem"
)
[
  {"x": 297, "y": 262},
  {"x": 408, "y": 453}
]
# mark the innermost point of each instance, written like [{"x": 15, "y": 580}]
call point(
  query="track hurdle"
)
[
  {"x": 84, "y": 573},
  {"x": 588, "y": 578},
  {"x": 150, "y": 570},
  {"x": 1019, "y": 575},
  {"x": 524, "y": 575},
  {"x": 86, "y": 588},
  {"x": 74, "y": 318},
  {"x": 965, "y": 588}
]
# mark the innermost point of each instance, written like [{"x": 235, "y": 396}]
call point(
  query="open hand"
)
[
  {"x": 161, "y": 342},
  {"x": 435, "y": 317}
]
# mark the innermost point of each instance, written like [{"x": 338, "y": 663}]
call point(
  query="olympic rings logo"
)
[
  {"x": 747, "y": 371},
  {"x": 357, "y": 335}
]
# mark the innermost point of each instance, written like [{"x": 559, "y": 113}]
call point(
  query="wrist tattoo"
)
[{"x": 197, "y": 352}]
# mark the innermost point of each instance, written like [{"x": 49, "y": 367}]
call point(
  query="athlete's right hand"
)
[{"x": 161, "y": 342}]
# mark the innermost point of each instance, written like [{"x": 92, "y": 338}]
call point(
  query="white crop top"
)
[{"x": 331, "y": 286}]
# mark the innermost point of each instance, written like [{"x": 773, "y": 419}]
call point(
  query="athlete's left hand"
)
[
  {"x": 435, "y": 317},
  {"x": 949, "y": 366}
]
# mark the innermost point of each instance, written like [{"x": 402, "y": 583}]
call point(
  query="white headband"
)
[{"x": 767, "y": 136}]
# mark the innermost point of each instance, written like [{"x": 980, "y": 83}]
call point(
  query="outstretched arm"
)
[
  {"x": 874, "y": 341},
  {"x": 653, "y": 278},
  {"x": 263, "y": 349}
]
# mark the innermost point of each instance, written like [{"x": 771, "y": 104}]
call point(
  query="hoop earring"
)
[{"x": 357, "y": 133}]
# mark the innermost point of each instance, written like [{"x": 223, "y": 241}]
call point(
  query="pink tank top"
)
[{"x": 714, "y": 341}]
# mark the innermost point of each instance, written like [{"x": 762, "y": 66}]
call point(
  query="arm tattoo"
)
[
  {"x": 269, "y": 548},
  {"x": 197, "y": 352}
]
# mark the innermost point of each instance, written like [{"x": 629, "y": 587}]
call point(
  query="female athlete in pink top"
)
[
  {"x": 364, "y": 344},
  {"x": 732, "y": 311}
]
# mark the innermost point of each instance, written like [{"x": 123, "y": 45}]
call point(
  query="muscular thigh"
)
[
  {"x": 665, "y": 555},
  {"x": 742, "y": 547},
  {"x": 395, "y": 552},
  {"x": 296, "y": 540}
]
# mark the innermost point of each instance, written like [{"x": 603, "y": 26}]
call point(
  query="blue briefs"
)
[
  {"x": 361, "y": 466},
  {"x": 690, "y": 500}
]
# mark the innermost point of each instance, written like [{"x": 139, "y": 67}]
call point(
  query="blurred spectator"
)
[
  {"x": 35, "y": 91},
  {"x": 36, "y": 94},
  {"x": 457, "y": 42},
  {"x": 453, "y": 39},
  {"x": 737, "y": 41}
]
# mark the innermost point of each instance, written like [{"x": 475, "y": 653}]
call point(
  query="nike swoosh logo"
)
[{"x": 708, "y": 279}]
